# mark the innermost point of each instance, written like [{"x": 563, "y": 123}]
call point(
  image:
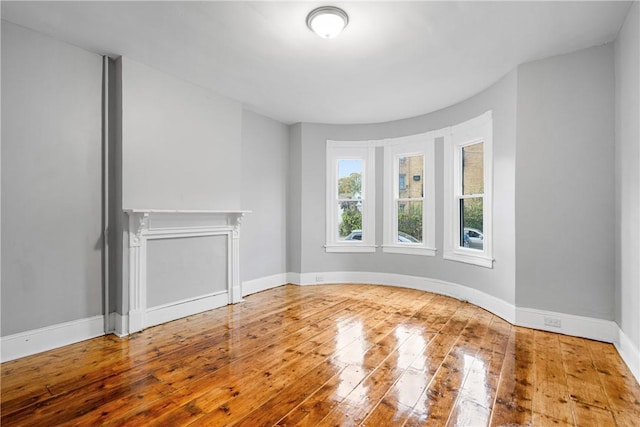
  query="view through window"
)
[
  {"x": 470, "y": 201},
  {"x": 349, "y": 199},
  {"x": 410, "y": 198}
]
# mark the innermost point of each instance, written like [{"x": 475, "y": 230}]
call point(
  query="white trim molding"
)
[
  {"x": 567, "y": 324},
  {"x": 38, "y": 340},
  {"x": 148, "y": 224},
  {"x": 263, "y": 283},
  {"x": 629, "y": 353},
  {"x": 187, "y": 307},
  {"x": 118, "y": 324}
]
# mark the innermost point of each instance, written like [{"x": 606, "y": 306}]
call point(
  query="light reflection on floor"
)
[
  {"x": 412, "y": 382},
  {"x": 411, "y": 363},
  {"x": 473, "y": 402},
  {"x": 351, "y": 347}
]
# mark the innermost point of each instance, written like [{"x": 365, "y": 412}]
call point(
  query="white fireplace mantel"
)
[{"x": 148, "y": 224}]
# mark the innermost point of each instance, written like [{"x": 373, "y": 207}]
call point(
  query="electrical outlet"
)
[
  {"x": 553, "y": 322},
  {"x": 319, "y": 279}
]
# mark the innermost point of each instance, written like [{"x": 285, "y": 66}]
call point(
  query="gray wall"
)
[
  {"x": 51, "y": 181},
  {"x": 627, "y": 177},
  {"x": 181, "y": 144},
  {"x": 499, "y": 281},
  {"x": 263, "y": 240},
  {"x": 564, "y": 184}
]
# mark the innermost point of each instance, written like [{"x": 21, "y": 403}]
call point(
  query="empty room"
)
[{"x": 220, "y": 213}]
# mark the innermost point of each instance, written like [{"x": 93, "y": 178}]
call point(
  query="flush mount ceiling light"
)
[{"x": 327, "y": 21}]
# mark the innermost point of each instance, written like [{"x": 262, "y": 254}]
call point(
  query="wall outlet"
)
[
  {"x": 552, "y": 321},
  {"x": 319, "y": 279}
]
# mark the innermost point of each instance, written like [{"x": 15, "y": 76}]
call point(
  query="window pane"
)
[
  {"x": 349, "y": 179},
  {"x": 402, "y": 181},
  {"x": 350, "y": 220},
  {"x": 471, "y": 235},
  {"x": 410, "y": 173},
  {"x": 410, "y": 222},
  {"x": 473, "y": 169}
]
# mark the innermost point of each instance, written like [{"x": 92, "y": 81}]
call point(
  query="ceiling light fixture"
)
[{"x": 327, "y": 21}]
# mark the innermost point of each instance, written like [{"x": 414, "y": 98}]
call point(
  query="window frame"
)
[
  {"x": 479, "y": 129},
  {"x": 414, "y": 145},
  {"x": 350, "y": 150}
]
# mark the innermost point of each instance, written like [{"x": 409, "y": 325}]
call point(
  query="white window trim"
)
[
  {"x": 365, "y": 151},
  {"x": 421, "y": 144},
  {"x": 479, "y": 129}
]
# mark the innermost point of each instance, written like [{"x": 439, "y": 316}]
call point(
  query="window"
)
[
  {"x": 409, "y": 224},
  {"x": 468, "y": 177},
  {"x": 350, "y": 197}
]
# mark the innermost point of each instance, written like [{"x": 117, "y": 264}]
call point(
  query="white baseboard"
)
[
  {"x": 50, "y": 337},
  {"x": 263, "y": 283},
  {"x": 629, "y": 353},
  {"x": 568, "y": 324},
  {"x": 118, "y": 324},
  {"x": 179, "y": 309},
  {"x": 293, "y": 278}
]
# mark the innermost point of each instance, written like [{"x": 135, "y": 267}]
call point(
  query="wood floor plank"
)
[
  {"x": 401, "y": 399},
  {"x": 437, "y": 400},
  {"x": 283, "y": 372},
  {"x": 512, "y": 403},
  {"x": 329, "y": 355},
  {"x": 64, "y": 408},
  {"x": 444, "y": 390},
  {"x": 316, "y": 407},
  {"x": 618, "y": 382},
  {"x": 96, "y": 366},
  {"x": 351, "y": 341},
  {"x": 585, "y": 388},
  {"x": 587, "y": 416},
  {"x": 551, "y": 393},
  {"x": 274, "y": 409},
  {"x": 385, "y": 339}
]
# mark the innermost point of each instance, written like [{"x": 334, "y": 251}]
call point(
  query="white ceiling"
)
[{"x": 395, "y": 59}]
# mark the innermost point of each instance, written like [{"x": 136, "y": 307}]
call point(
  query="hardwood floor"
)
[{"x": 327, "y": 355}]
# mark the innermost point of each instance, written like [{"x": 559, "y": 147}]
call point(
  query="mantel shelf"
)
[{"x": 185, "y": 211}]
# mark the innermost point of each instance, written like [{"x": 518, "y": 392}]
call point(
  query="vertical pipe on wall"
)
[{"x": 105, "y": 191}]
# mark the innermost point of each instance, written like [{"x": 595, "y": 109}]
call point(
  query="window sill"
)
[
  {"x": 409, "y": 250},
  {"x": 350, "y": 248},
  {"x": 469, "y": 258}
]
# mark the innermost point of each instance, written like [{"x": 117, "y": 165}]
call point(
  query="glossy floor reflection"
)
[{"x": 334, "y": 355}]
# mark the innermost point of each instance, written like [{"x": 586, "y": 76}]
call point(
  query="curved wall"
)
[
  {"x": 553, "y": 213},
  {"x": 499, "y": 281},
  {"x": 553, "y": 203}
]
